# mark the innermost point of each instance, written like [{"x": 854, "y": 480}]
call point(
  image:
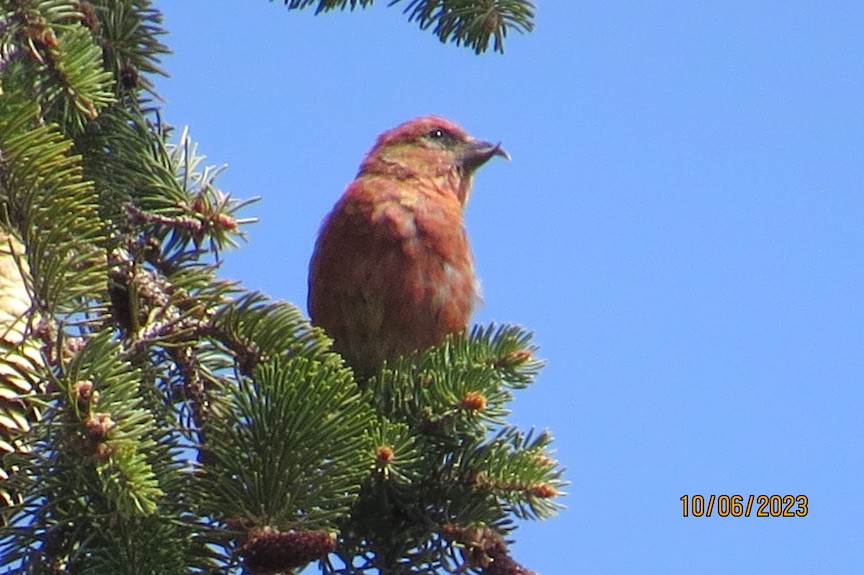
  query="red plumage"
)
[{"x": 392, "y": 271}]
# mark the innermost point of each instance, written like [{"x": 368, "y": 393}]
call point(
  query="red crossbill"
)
[{"x": 392, "y": 271}]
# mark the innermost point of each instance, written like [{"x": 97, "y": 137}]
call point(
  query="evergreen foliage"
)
[
  {"x": 472, "y": 23},
  {"x": 155, "y": 418}
]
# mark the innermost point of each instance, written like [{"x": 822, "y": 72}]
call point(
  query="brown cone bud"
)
[{"x": 271, "y": 551}]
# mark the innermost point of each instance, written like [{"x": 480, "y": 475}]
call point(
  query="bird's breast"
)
[{"x": 392, "y": 271}]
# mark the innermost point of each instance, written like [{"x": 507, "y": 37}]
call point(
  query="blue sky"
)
[{"x": 682, "y": 225}]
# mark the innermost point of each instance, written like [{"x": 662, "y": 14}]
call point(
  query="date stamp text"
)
[{"x": 745, "y": 505}]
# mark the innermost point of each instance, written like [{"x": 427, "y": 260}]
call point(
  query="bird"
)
[{"x": 392, "y": 270}]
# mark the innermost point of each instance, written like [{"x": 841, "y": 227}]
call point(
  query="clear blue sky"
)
[{"x": 682, "y": 225}]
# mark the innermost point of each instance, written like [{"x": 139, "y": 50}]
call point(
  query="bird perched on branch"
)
[{"x": 392, "y": 271}]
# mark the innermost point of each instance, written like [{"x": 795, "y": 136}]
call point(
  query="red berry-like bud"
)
[
  {"x": 474, "y": 401},
  {"x": 543, "y": 490},
  {"x": 225, "y": 222},
  {"x": 384, "y": 456}
]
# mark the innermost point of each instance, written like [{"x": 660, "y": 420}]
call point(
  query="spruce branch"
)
[
  {"x": 133, "y": 358},
  {"x": 285, "y": 457},
  {"x": 446, "y": 457},
  {"x": 93, "y": 453},
  {"x": 473, "y": 23},
  {"x": 256, "y": 329},
  {"x": 41, "y": 182},
  {"x": 59, "y": 59},
  {"x": 465, "y": 382},
  {"x": 484, "y": 549},
  {"x": 130, "y": 36},
  {"x": 516, "y": 468}
]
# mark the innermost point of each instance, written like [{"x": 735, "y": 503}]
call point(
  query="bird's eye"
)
[{"x": 437, "y": 134}]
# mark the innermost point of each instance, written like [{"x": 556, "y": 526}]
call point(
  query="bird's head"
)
[{"x": 430, "y": 148}]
